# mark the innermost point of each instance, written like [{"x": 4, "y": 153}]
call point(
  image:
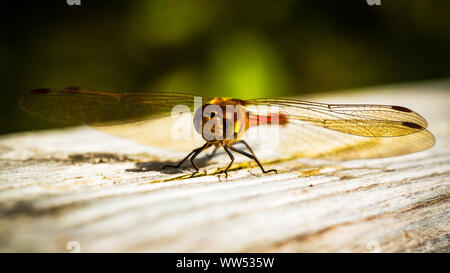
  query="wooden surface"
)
[{"x": 81, "y": 190}]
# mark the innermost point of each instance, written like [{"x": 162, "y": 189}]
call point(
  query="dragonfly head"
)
[{"x": 221, "y": 122}]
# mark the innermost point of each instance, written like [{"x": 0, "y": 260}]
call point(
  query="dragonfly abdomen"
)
[{"x": 270, "y": 118}]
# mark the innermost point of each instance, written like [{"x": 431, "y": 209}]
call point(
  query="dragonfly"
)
[{"x": 306, "y": 129}]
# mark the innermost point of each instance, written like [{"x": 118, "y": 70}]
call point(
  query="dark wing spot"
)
[
  {"x": 73, "y": 88},
  {"x": 401, "y": 108},
  {"x": 41, "y": 91},
  {"x": 412, "y": 125}
]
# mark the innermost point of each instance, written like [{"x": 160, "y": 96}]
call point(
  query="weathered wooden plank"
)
[{"x": 79, "y": 185}]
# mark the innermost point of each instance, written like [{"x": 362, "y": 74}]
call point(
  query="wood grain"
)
[{"x": 79, "y": 186}]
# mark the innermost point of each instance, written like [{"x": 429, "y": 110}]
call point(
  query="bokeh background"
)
[{"x": 216, "y": 48}]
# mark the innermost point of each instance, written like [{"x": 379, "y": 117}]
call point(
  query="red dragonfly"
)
[{"x": 307, "y": 129}]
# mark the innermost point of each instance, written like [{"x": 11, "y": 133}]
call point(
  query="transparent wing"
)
[
  {"x": 73, "y": 105},
  {"x": 356, "y": 119},
  {"x": 146, "y": 118},
  {"x": 311, "y": 141},
  {"x": 338, "y": 131},
  {"x": 175, "y": 132}
]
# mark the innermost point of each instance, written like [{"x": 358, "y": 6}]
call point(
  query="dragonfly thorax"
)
[{"x": 226, "y": 121}]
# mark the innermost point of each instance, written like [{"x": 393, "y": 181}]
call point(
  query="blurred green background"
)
[{"x": 216, "y": 48}]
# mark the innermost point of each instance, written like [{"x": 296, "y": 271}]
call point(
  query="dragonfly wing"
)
[
  {"x": 103, "y": 108},
  {"x": 338, "y": 131},
  {"x": 157, "y": 119},
  {"x": 357, "y": 119},
  {"x": 310, "y": 141},
  {"x": 317, "y": 142},
  {"x": 172, "y": 132}
]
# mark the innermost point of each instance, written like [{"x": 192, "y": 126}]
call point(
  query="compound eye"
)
[{"x": 213, "y": 114}]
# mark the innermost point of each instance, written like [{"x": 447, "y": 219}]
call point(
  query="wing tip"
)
[
  {"x": 401, "y": 109},
  {"x": 413, "y": 125}
]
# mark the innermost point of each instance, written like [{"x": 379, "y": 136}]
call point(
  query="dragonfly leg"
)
[
  {"x": 252, "y": 156},
  {"x": 232, "y": 160},
  {"x": 196, "y": 153},
  {"x": 181, "y": 162},
  {"x": 246, "y": 145},
  {"x": 186, "y": 157}
]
